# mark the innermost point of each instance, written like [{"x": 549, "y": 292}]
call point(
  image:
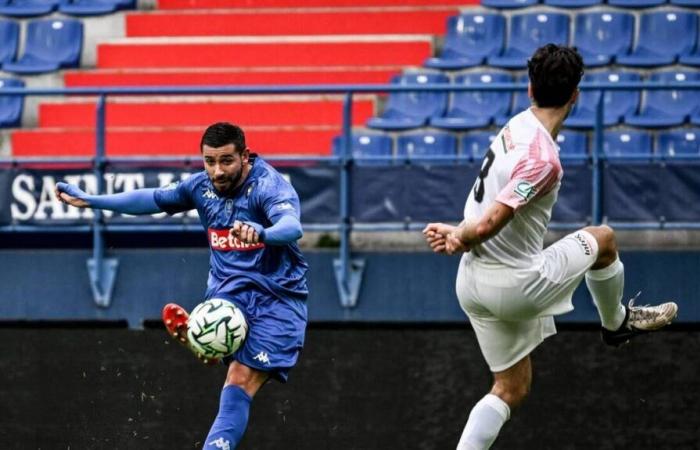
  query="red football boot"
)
[{"x": 175, "y": 320}]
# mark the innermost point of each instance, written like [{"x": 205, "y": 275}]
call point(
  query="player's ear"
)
[{"x": 245, "y": 155}]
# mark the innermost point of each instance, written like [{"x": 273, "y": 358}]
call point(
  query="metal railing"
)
[{"x": 102, "y": 270}]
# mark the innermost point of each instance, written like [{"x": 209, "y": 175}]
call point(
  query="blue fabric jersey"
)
[{"x": 263, "y": 198}]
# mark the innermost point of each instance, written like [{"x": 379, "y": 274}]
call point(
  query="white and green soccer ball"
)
[{"x": 216, "y": 328}]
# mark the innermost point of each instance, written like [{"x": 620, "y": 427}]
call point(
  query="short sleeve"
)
[
  {"x": 278, "y": 198},
  {"x": 176, "y": 197},
  {"x": 530, "y": 179}
]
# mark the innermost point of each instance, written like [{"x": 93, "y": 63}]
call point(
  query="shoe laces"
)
[{"x": 644, "y": 313}]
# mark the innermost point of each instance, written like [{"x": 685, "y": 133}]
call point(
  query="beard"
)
[{"x": 228, "y": 183}]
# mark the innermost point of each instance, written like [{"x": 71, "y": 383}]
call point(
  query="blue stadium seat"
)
[
  {"x": 692, "y": 59},
  {"x": 528, "y": 32},
  {"x": 477, "y": 143},
  {"x": 600, "y": 36},
  {"x": 616, "y": 104},
  {"x": 9, "y": 37},
  {"x": 521, "y": 102},
  {"x": 663, "y": 37},
  {"x": 627, "y": 143},
  {"x": 573, "y": 3},
  {"x": 636, "y": 3},
  {"x": 667, "y": 108},
  {"x": 367, "y": 145},
  {"x": 475, "y": 109},
  {"x": 427, "y": 144},
  {"x": 685, "y": 2},
  {"x": 94, "y": 7},
  {"x": 572, "y": 143},
  {"x": 508, "y": 4},
  {"x": 51, "y": 44},
  {"x": 471, "y": 38},
  {"x": 679, "y": 142},
  {"x": 11, "y": 105},
  {"x": 28, "y": 8},
  {"x": 406, "y": 110}
]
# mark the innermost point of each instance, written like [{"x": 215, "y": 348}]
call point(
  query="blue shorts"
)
[{"x": 276, "y": 329}]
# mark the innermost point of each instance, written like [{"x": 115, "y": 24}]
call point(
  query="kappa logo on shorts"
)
[
  {"x": 263, "y": 358},
  {"x": 221, "y": 443},
  {"x": 584, "y": 243}
]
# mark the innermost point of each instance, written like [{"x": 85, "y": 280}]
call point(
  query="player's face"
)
[{"x": 225, "y": 166}]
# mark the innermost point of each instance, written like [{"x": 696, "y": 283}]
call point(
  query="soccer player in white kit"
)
[{"x": 507, "y": 284}]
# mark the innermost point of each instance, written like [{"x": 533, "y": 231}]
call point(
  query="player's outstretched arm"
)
[{"x": 139, "y": 201}]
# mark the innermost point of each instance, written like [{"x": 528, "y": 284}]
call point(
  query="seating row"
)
[
  {"x": 478, "y": 109},
  {"x": 50, "y": 44},
  {"x": 35, "y": 8},
  {"x": 602, "y": 38},
  {"x": 669, "y": 143},
  {"x": 511, "y": 4}
]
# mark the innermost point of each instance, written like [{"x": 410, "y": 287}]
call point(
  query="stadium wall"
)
[{"x": 398, "y": 287}]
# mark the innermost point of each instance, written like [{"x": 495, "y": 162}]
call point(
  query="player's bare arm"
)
[{"x": 469, "y": 234}]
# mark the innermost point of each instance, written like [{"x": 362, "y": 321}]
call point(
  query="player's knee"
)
[
  {"x": 513, "y": 393},
  {"x": 607, "y": 246}
]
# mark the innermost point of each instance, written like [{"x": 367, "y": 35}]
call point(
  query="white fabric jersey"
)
[{"x": 522, "y": 170}]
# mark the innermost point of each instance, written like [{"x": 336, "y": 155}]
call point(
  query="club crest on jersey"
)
[
  {"x": 210, "y": 195},
  {"x": 525, "y": 189},
  {"x": 229, "y": 206},
  {"x": 224, "y": 241}
]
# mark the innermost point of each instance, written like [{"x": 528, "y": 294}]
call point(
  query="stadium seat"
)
[
  {"x": 94, "y": 7},
  {"x": 51, "y": 44},
  {"x": 28, "y": 8},
  {"x": 636, "y": 3},
  {"x": 627, "y": 143},
  {"x": 663, "y": 37},
  {"x": 367, "y": 145},
  {"x": 508, "y": 4},
  {"x": 573, "y": 3},
  {"x": 600, "y": 36},
  {"x": 406, "y": 110},
  {"x": 528, "y": 32},
  {"x": 694, "y": 3},
  {"x": 477, "y": 143},
  {"x": 475, "y": 109},
  {"x": 11, "y": 105},
  {"x": 471, "y": 38},
  {"x": 667, "y": 107},
  {"x": 9, "y": 37},
  {"x": 679, "y": 142},
  {"x": 521, "y": 102},
  {"x": 572, "y": 143},
  {"x": 692, "y": 59},
  {"x": 427, "y": 144},
  {"x": 616, "y": 104}
]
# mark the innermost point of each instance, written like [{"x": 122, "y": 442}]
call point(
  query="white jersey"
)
[{"x": 522, "y": 170}]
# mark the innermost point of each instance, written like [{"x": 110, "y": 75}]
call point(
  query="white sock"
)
[
  {"x": 606, "y": 286},
  {"x": 484, "y": 424}
]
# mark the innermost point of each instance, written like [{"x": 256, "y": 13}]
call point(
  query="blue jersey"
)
[{"x": 234, "y": 266}]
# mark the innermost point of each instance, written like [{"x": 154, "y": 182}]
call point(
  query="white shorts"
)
[{"x": 511, "y": 310}]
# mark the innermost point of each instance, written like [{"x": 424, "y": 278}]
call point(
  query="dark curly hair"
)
[
  {"x": 223, "y": 133},
  {"x": 554, "y": 71}
]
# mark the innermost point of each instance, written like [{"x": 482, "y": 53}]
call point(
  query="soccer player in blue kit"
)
[{"x": 252, "y": 217}]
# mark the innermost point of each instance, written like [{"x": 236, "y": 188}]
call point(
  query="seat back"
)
[
  {"x": 668, "y": 32},
  {"x": 616, "y": 103},
  {"x": 55, "y": 40},
  {"x": 365, "y": 144},
  {"x": 604, "y": 33},
  {"x": 417, "y": 104},
  {"x": 11, "y": 105},
  {"x": 679, "y": 142},
  {"x": 572, "y": 143},
  {"x": 628, "y": 142},
  {"x": 521, "y": 101},
  {"x": 476, "y": 143},
  {"x": 9, "y": 37},
  {"x": 670, "y": 101},
  {"x": 481, "y": 103},
  {"x": 530, "y": 31},
  {"x": 426, "y": 144},
  {"x": 477, "y": 35}
]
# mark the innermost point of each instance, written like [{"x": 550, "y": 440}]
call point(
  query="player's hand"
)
[
  {"x": 70, "y": 195},
  {"x": 245, "y": 232},
  {"x": 435, "y": 235}
]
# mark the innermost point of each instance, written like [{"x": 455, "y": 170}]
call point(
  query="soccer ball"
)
[{"x": 216, "y": 328}]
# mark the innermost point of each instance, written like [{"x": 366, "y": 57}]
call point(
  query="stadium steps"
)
[
  {"x": 202, "y": 111},
  {"x": 266, "y": 51},
  {"x": 231, "y": 76},
  {"x": 213, "y": 4},
  {"x": 290, "y": 22},
  {"x": 167, "y": 141}
]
